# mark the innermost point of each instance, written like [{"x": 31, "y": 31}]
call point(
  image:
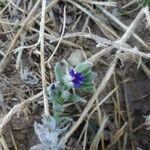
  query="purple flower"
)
[
  {"x": 76, "y": 78},
  {"x": 52, "y": 87}
]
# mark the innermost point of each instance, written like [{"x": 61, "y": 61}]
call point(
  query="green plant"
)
[
  {"x": 68, "y": 79},
  {"x": 144, "y": 2}
]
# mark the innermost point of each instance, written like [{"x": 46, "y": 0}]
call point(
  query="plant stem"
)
[
  {"x": 3, "y": 142},
  {"x": 42, "y": 25}
]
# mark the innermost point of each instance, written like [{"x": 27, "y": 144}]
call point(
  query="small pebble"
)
[{"x": 76, "y": 57}]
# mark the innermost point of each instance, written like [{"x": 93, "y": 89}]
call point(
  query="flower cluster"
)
[
  {"x": 76, "y": 78},
  {"x": 81, "y": 77}
]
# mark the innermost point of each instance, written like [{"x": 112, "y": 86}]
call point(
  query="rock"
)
[{"x": 76, "y": 57}]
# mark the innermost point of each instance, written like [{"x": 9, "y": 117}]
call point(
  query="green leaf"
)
[
  {"x": 75, "y": 98},
  {"x": 57, "y": 107},
  {"x": 83, "y": 67},
  {"x": 59, "y": 74},
  {"x": 65, "y": 95},
  {"x": 49, "y": 121},
  {"x": 144, "y": 2},
  {"x": 64, "y": 119},
  {"x": 88, "y": 88}
]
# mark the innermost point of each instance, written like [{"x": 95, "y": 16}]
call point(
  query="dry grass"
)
[{"x": 46, "y": 35}]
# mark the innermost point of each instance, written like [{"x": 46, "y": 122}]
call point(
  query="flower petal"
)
[
  {"x": 81, "y": 78},
  {"x": 77, "y": 75},
  {"x": 76, "y": 84},
  {"x": 53, "y": 87},
  {"x": 72, "y": 73},
  {"x": 76, "y": 78}
]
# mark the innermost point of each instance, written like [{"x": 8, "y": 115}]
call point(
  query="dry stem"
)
[
  {"x": 100, "y": 88},
  {"x": 6, "y": 59},
  {"x": 46, "y": 107}
]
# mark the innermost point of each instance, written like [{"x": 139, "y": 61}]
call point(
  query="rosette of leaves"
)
[
  {"x": 49, "y": 134},
  {"x": 81, "y": 77}
]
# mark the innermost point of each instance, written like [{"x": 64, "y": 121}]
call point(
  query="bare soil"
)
[{"x": 18, "y": 85}]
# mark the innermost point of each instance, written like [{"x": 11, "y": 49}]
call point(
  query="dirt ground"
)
[{"x": 20, "y": 84}]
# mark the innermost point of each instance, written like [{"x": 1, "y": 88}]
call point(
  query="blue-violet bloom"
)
[
  {"x": 51, "y": 87},
  {"x": 76, "y": 78}
]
